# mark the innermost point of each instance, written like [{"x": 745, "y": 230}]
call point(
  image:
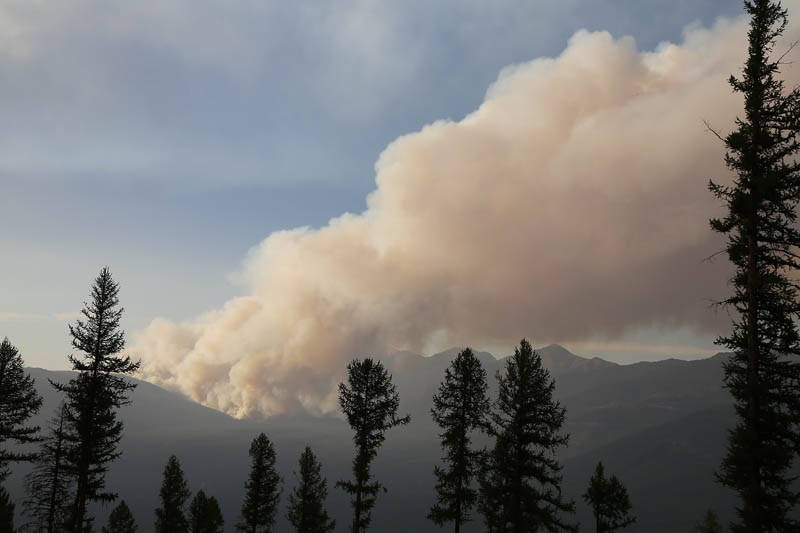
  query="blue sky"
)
[{"x": 166, "y": 139}]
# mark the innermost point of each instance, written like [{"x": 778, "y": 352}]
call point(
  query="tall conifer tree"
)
[
  {"x": 120, "y": 520},
  {"x": 170, "y": 516},
  {"x": 709, "y": 524},
  {"x": 459, "y": 408},
  {"x": 369, "y": 401},
  {"x": 262, "y": 489},
  {"x": 205, "y": 516},
  {"x": 609, "y": 500},
  {"x": 93, "y": 397},
  {"x": 18, "y": 402},
  {"x": 763, "y": 376},
  {"x": 522, "y": 489},
  {"x": 48, "y": 486},
  {"x": 6, "y": 512},
  {"x": 307, "y": 501}
]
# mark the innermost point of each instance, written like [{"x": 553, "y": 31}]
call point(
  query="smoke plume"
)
[{"x": 571, "y": 204}]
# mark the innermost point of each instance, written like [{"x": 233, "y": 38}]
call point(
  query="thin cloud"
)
[{"x": 66, "y": 316}]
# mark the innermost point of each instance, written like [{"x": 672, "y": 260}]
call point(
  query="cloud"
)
[
  {"x": 571, "y": 205},
  {"x": 116, "y": 91},
  {"x": 9, "y": 315},
  {"x": 66, "y": 316}
]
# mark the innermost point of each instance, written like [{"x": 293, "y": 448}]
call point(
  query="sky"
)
[{"x": 175, "y": 142}]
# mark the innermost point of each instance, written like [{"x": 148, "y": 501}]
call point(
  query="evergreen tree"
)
[
  {"x": 763, "y": 374},
  {"x": 262, "y": 489},
  {"x": 93, "y": 397},
  {"x": 489, "y": 502},
  {"x": 120, "y": 520},
  {"x": 205, "y": 515},
  {"x": 170, "y": 517},
  {"x": 459, "y": 408},
  {"x": 18, "y": 402},
  {"x": 369, "y": 401},
  {"x": 523, "y": 490},
  {"x": 6, "y": 512},
  {"x": 49, "y": 484},
  {"x": 609, "y": 500},
  {"x": 307, "y": 502},
  {"x": 710, "y": 524}
]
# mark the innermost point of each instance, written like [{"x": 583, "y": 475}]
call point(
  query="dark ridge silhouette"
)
[{"x": 659, "y": 426}]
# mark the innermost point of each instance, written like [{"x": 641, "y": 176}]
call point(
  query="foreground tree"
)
[
  {"x": 306, "y": 510},
  {"x": 6, "y": 512},
  {"x": 609, "y": 501},
  {"x": 521, "y": 491},
  {"x": 93, "y": 397},
  {"x": 710, "y": 524},
  {"x": 459, "y": 408},
  {"x": 18, "y": 402},
  {"x": 369, "y": 401},
  {"x": 49, "y": 484},
  {"x": 763, "y": 374},
  {"x": 262, "y": 489},
  {"x": 120, "y": 520},
  {"x": 205, "y": 515},
  {"x": 170, "y": 517}
]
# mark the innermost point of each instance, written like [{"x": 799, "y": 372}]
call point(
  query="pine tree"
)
[
  {"x": 460, "y": 407},
  {"x": 205, "y": 515},
  {"x": 6, "y": 512},
  {"x": 710, "y": 524},
  {"x": 306, "y": 510},
  {"x": 120, "y": 520},
  {"x": 49, "y": 484},
  {"x": 608, "y": 498},
  {"x": 489, "y": 502},
  {"x": 262, "y": 489},
  {"x": 764, "y": 373},
  {"x": 93, "y": 397},
  {"x": 18, "y": 402},
  {"x": 170, "y": 517},
  {"x": 369, "y": 401},
  {"x": 523, "y": 489}
]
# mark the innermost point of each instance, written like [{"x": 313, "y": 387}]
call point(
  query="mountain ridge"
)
[{"x": 622, "y": 414}]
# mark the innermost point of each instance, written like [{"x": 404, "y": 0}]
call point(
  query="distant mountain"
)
[{"x": 659, "y": 426}]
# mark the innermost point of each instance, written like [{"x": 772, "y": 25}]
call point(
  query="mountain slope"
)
[{"x": 659, "y": 426}]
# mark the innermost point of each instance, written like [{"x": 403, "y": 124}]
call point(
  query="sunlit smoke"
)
[{"x": 571, "y": 205}]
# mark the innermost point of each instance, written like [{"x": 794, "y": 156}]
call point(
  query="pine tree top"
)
[{"x": 18, "y": 402}]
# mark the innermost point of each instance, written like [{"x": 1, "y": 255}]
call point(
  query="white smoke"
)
[{"x": 573, "y": 203}]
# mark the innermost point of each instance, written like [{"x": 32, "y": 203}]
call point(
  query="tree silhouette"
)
[
  {"x": 306, "y": 510},
  {"x": 369, "y": 401},
  {"x": 6, "y": 512},
  {"x": 205, "y": 515},
  {"x": 18, "y": 402},
  {"x": 763, "y": 374},
  {"x": 522, "y": 486},
  {"x": 459, "y": 407},
  {"x": 120, "y": 520},
  {"x": 170, "y": 517},
  {"x": 609, "y": 501},
  {"x": 92, "y": 429},
  {"x": 710, "y": 524},
  {"x": 262, "y": 489},
  {"x": 48, "y": 486}
]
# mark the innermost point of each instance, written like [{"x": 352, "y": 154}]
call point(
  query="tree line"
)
[{"x": 515, "y": 485}]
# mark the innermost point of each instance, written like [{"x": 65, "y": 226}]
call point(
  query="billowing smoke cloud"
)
[{"x": 572, "y": 204}]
